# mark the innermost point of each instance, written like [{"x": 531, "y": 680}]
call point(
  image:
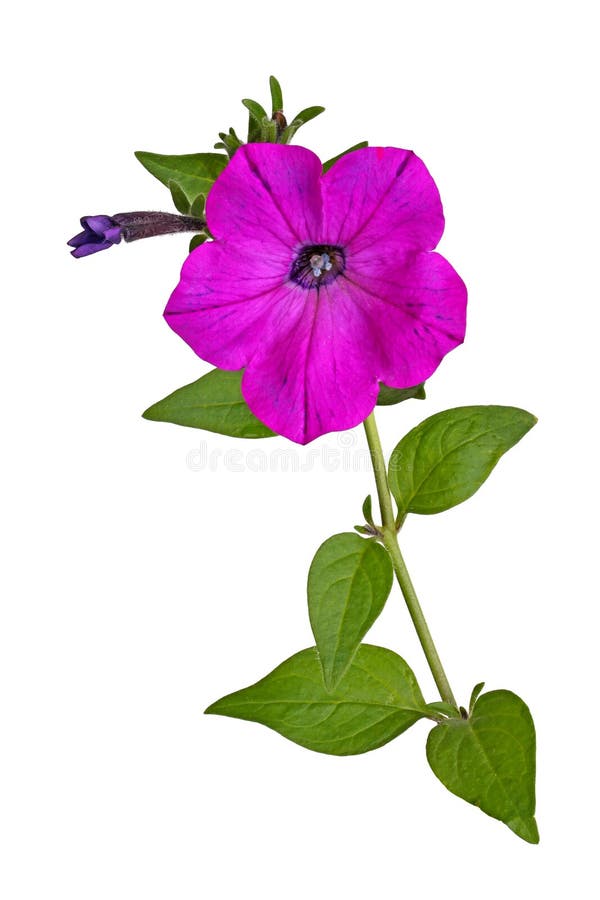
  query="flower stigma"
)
[{"x": 316, "y": 265}]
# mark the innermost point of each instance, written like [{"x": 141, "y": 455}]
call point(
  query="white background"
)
[{"x": 142, "y": 586}]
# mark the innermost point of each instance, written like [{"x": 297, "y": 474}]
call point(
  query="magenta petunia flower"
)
[{"x": 320, "y": 286}]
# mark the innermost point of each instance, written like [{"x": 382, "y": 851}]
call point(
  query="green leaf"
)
[
  {"x": 253, "y": 129},
  {"x": 377, "y": 699},
  {"x": 268, "y": 131},
  {"x": 197, "y": 240},
  {"x": 301, "y": 119},
  {"x": 348, "y": 583},
  {"x": 276, "y": 95},
  {"x": 446, "y": 708},
  {"x": 489, "y": 760},
  {"x": 390, "y": 396},
  {"x": 367, "y": 510},
  {"x": 181, "y": 202},
  {"x": 446, "y": 458},
  {"x": 194, "y": 173},
  {"x": 327, "y": 165},
  {"x": 311, "y": 112},
  {"x": 231, "y": 141},
  {"x": 474, "y": 695},
  {"x": 197, "y": 208},
  {"x": 214, "y": 403},
  {"x": 257, "y": 111}
]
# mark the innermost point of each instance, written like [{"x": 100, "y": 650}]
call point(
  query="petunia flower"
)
[{"x": 320, "y": 285}]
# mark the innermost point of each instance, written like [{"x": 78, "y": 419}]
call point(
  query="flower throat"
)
[{"x": 317, "y": 264}]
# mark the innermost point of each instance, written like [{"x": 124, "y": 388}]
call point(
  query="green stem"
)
[{"x": 390, "y": 541}]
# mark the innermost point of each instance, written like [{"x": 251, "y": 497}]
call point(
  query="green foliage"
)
[
  {"x": 489, "y": 760},
  {"x": 377, "y": 699},
  {"x": 276, "y": 95},
  {"x": 327, "y": 165},
  {"x": 214, "y": 403},
  {"x": 197, "y": 240},
  {"x": 446, "y": 458},
  {"x": 367, "y": 510},
  {"x": 180, "y": 201},
  {"x": 197, "y": 207},
  {"x": 390, "y": 396},
  {"x": 257, "y": 111},
  {"x": 192, "y": 173},
  {"x": 301, "y": 119},
  {"x": 348, "y": 583}
]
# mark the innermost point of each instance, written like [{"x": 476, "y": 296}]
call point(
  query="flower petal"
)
[
  {"x": 418, "y": 309},
  {"x": 381, "y": 194},
  {"x": 316, "y": 370},
  {"x": 223, "y": 301},
  {"x": 88, "y": 249},
  {"x": 98, "y": 224},
  {"x": 82, "y": 238},
  {"x": 268, "y": 196}
]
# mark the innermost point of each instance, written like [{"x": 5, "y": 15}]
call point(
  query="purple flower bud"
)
[{"x": 100, "y": 233}]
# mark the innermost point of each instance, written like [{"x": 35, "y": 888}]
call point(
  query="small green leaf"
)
[
  {"x": 231, "y": 142},
  {"x": 301, "y": 119},
  {"x": 348, "y": 583},
  {"x": 253, "y": 130},
  {"x": 363, "y": 529},
  {"x": 214, "y": 403},
  {"x": 181, "y": 202},
  {"x": 377, "y": 699},
  {"x": 311, "y": 112},
  {"x": 194, "y": 173},
  {"x": 446, "y": 708},
  {"x": 276, "y": 95},
  {"x": 257, "y": 111},
  {"x": 474, "y": 695},
  {"x": 327, "y": 165},
  {"x": 390, "y": 396},
  {"x": 489, "y": 760},
  {"x": 197, "y": 240},
  {"x": 197, "y": 208},
  {"x": 268, "y": 131},
  {"x": 367, "y": 510},
  {"x": 446, "y": 458}
]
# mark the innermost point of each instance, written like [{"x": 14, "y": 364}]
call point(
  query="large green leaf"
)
[
  {"x": 446, "y": 458},
  {"x": 214, "y": 403},
  {"x": 489, "y": 760},
  {"x": 377, "y": 699},
  {"x": 194, "y": 173},
  {"x": 348, "y": 583}
]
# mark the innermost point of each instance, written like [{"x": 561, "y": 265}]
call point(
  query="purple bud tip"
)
[{"x": 99, "y": 233}]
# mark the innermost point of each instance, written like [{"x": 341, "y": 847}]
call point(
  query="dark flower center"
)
[{"x": 317, "y": 264}]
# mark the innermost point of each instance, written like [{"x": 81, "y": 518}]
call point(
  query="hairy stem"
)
[{"x": 390, "y": 542}]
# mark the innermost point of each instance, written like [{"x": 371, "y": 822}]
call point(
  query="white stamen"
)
[{"x": 318, "y": 262}]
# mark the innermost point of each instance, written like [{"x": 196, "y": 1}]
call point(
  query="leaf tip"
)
[
  {"x": 150, "y": 413},
  {"x": 526, "y": 829}
]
